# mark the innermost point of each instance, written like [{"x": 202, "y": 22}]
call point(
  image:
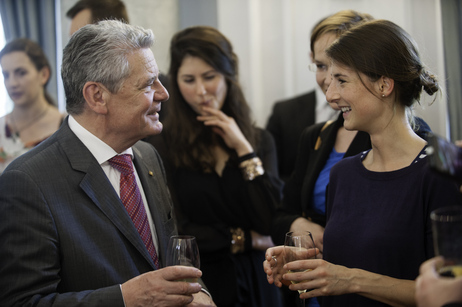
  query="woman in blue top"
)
[{"x": 378, "y": 229}]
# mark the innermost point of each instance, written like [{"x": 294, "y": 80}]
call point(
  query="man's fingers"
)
[{"x": 179, "y": 272}]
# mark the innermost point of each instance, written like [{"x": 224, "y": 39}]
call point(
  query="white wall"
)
[{"x": 271, "y": 38}]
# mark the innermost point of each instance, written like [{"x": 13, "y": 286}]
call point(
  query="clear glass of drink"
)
[
  {"x": 298, "y": 245},
  {"x": 447, "y": 239},
  {"x": 183, "y": 250}
]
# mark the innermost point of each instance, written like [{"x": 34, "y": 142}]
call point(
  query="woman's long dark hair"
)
[
  {"x": 35, "y": 54},
  {"x": 189, "y": 141}
]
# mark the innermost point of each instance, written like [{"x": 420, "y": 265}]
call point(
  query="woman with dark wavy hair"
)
[{"x": 222, "y": 170}]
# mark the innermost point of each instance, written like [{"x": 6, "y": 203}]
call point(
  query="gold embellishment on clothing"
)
[
  {"x": 237, "y": 240},
  {"x": 251, "y": 168}
]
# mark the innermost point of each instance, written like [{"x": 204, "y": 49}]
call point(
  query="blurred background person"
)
[
  {"x": 291, "y": 116},
  {"x": 91, "y": 11},
  {"x": 26, "y": 72},
  {"x": 221, "y": 169}
]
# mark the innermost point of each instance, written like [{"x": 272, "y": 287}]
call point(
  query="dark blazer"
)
[
  {"x": 298, "y": 191},
  {"x": 66, "y": 238},
  {"x": 286, "y": 124}
]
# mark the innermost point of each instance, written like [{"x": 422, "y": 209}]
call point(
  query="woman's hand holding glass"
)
[
  {"x": 273, "y": 264},
  {"x": 298, "y": 245},
  {"x": 320, "y": 276}
]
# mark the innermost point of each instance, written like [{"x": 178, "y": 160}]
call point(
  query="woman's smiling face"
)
[{"x": 353, "y": 95}]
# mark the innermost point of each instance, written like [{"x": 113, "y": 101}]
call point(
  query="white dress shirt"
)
[{"x": 102, "y": 153}]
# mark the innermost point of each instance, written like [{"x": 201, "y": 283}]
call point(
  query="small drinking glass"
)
[
  {"x": 183, "y": 250},
  {"x": 298, "y": 245},
  {"x": 447, "y": 239}
]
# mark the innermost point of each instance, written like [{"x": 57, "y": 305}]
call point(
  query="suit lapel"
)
[{"x": 97, "y": 187}]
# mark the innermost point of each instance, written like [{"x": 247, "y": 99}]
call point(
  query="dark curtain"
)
[
  {"x": 451, "y": 11},
  {"x": 34, "y": 19}
]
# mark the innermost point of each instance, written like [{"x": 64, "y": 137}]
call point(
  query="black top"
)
[
  {"x": 208, "y": 205},
  {"x": 380, "y": 221},
  {"x": 298, "y": 191}
]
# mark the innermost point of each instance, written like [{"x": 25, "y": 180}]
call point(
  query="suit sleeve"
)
[{"x": 29, "y": 251}]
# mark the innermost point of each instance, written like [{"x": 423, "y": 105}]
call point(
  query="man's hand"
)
[{"x": 162, "y": 288}]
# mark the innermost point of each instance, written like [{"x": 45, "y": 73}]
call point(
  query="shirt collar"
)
[{"x": 100, "y": 150}]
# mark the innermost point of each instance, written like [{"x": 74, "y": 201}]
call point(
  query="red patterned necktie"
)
[{"x": 131, "y": 198}]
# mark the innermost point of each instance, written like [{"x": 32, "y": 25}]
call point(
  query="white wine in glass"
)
[
  {"x": 296, "y": 282},
  {"x": 299, "y": 245},
  {"x": 451, "y": 271},
  {"x": 183, "y": 250}
]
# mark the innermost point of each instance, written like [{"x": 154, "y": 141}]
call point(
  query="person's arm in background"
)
[{"x": 434, "y": 290}]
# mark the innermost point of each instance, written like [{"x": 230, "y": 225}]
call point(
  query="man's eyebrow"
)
[{"x": 148, "y": 82}]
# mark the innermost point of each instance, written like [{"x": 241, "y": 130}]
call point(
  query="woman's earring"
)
[{"x": 383, "y": 95}]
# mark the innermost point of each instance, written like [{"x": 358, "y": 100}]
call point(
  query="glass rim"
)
[
  {"x": 447, "y": 214},
  {"x": 182, "y": 237},
  {"x": 299, "y": 232}
]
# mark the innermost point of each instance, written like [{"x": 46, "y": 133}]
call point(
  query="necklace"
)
[{"x": 29, "y": 124}]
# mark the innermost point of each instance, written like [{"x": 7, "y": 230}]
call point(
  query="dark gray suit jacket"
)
[
  {"x": 65, "y": 236},
  {"x": 286, "y": 124}
]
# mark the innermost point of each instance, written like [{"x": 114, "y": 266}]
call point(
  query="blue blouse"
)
[{"x": 319, "y": 193}]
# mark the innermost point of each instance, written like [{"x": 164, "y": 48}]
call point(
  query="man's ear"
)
[
  {"x": 386, "y": 86},
  {"x": 96, "y": 96}
]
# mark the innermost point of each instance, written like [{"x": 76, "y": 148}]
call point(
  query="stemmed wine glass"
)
[
  {"x": 183, "y": 250},
  {"x": 298, "y": 245}
]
